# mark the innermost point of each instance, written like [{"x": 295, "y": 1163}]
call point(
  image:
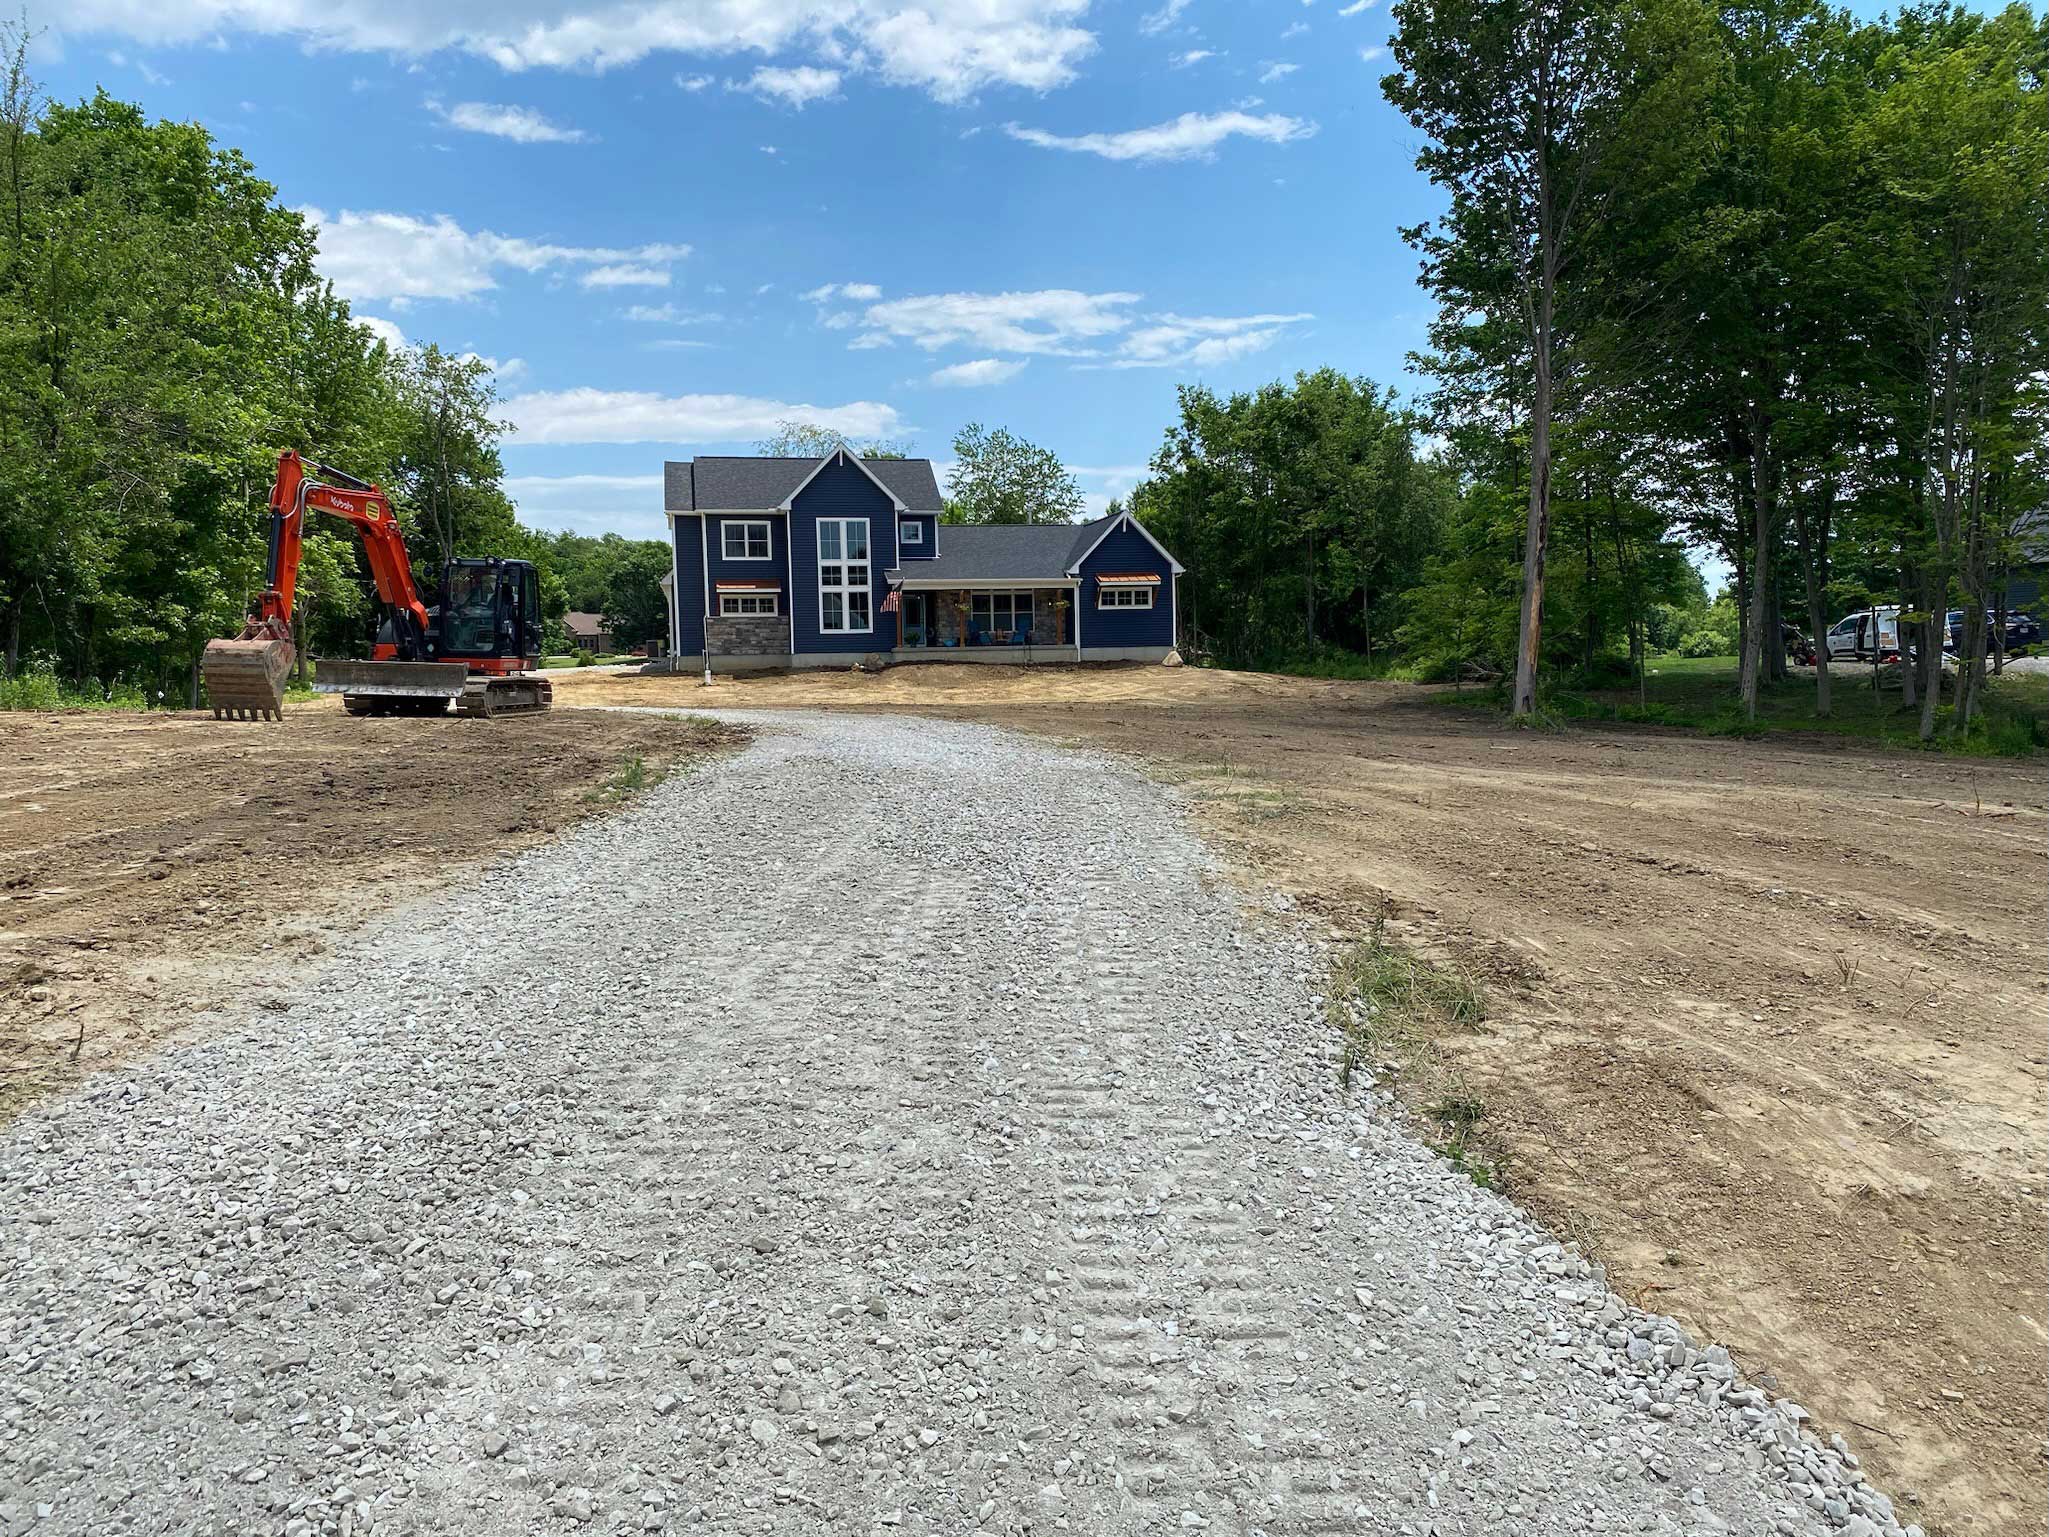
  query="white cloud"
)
[
  {"x": 399, "y": 258},
  {"x": 664, "y": 315},
  {"x": 522, "y": 125},
  {"x": 1101, "y": 330},
  {"x": 770, "y": 149},
  {"x": 949, "y": 48},
  {"x": 692, "y": 82},
  {"x": 1191, "y": 136},
  {"x": 625, "y": 275},
  {"x": 511, "y": 368},
  {"x": 978, "y": 371},
  {"x": 1183, "y": 341},
  {"x": 639, "y": 416},
  {"x": 1193, "y": 56},
  {"x": 1053, "y": 320},
  {"x": 797, "y": 87},
  {"x": 1355, "y": 7},
  {"x": 1370, "y": 54},
  {"x": 860, "y": 293},
  {"x": 385, "y": 331},
  {"x": 1295, "y": 29},
  {"x": 1274, "y": 72},
  {"x": 1165, "y": 17},
  {"x": 1102, "y": 484},
  {"x": 590, "y": 504}
]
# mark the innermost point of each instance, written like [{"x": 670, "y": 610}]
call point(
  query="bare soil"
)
[
  {"x": 150, "y": 865},
  {"x": 1767, "y": 1019}
]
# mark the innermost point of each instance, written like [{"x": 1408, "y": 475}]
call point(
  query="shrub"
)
[
  {"x": 1706, "y": 643},
  {"x": 585, "y": 659},
  {"x": 33, "y": 688}
]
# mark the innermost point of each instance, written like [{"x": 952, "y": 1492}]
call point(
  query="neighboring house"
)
[
  {"x": 819, "y": 562},
  {"x": 587, "y": 632}
]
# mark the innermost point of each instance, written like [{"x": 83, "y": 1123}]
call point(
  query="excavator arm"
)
[{"x": 246, "y": 676}]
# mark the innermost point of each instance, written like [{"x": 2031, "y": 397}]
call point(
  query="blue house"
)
[{"x": 821, "y": 562}]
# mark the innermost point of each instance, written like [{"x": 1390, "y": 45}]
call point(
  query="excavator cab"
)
[{"x": 490, "y": 609}]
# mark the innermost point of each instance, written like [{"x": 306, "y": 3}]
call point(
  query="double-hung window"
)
[
  {"x": 844, "y": 583},
  {"x": 744, "y": 539}
]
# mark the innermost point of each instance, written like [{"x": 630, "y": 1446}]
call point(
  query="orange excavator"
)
[{"x": 476, "y": 651}]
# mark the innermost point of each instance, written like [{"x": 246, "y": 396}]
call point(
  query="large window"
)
[
  {"x": 911, "y": 533},
  {"x": 736, "y": 604},
  {"x": 844, "y": 585},
  {"x": 744, "y": 539},
  {"x": 1124, "y": 597},
  {"x": 1000, "y": 616}
]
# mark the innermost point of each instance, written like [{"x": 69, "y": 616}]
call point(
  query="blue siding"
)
[
  {"x": 841, "y": 490},
  {"x": 1127, "y": 551},
  {"x": 776, "y": 567},
  {"x": 689, "y": 637},
  {"x": 929, "y": 550}
]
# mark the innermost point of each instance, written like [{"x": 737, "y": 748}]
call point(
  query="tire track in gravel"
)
[{"x": 934, "y": 1149}]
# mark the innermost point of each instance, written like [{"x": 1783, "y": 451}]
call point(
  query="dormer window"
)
[{"x": 911, "y": 533}]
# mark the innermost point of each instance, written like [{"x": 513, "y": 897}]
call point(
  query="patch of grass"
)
[
  {"x": 37, "y": 687},
  {"x": 1700, "y": 694},
  {"x": 631, "y": 777},
  {"x": 1390, "y": 1006}
]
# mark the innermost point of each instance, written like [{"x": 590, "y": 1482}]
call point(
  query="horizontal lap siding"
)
[
  {"x": 689, "y": 639},
  {"x": 841, "y": 490},
  {"x": 775, "y": 569},
  {"x": 929, "y": 550},
  {"x": 1127, "y": 552}
]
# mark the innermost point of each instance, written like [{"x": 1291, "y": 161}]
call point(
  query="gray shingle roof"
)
[
  {"x": 1003, "y": 552},
  {"x": 721, "y": 483}
]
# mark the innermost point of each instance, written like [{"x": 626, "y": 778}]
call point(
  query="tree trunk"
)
[
  {"x": 192, "y": 683},
  {"x": 1811, "y": 532},
  {"x": 14, "y": 637},
  {"x": 1537, "y": 528},
  {"x": 1763, "y": 529},
  {"x": 1366, "y": 618}
]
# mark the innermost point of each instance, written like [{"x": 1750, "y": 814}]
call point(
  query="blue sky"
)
[{"x": 672, "y": 222}]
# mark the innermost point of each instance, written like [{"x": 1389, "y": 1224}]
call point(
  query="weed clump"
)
[{"x": 1391, "y": 1005}]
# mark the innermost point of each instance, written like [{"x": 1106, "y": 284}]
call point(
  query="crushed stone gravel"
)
[{"x": 896, "y": 1126}]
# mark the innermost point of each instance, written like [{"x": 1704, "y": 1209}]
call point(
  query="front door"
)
[{"x": 915, "y": 619}]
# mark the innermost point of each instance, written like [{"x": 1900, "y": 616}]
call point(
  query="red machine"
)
[{"x": 477, "y": 648}]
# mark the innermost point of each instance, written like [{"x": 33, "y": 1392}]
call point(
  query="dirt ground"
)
[
  {"x": 1767, "y": 1026},
  {"x": 1768, "y": 1030},
  {"x": 150, "y": 863}
]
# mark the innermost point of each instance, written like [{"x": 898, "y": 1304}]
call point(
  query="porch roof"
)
[{"x": 1000, "y": 555}]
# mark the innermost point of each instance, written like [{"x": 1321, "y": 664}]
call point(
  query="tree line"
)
[
  {"x": 163, "y": 334},
  {"x": 1763, "y": 280},
  {"x": 1778, "y": 273}
]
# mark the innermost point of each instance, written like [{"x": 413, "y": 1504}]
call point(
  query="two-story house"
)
[{"x": 822, "y": 562}]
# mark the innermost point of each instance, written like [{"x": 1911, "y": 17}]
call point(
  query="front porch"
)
[{"x": 950, "y": 622}]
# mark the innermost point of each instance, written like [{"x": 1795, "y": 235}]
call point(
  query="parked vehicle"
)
[
  {"x": 2022, "y": 631},
  {"x": 1851, "y": 638}
]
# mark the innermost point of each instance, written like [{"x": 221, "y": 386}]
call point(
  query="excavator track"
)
[{"x": 522, "y": 694}]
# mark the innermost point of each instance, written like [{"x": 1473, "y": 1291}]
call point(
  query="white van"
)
[{"x": 1849, "y": 638}]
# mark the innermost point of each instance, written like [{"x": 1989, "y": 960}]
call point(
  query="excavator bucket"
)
[
  {"x": 373, "y": 688},
  {"x": 245, "y": 678}
]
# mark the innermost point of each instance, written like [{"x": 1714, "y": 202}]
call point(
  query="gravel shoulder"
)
[{"x": 940, "y": 1148}]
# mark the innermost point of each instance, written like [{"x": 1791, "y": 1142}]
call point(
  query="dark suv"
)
[{"x": 2022, "y": 631}]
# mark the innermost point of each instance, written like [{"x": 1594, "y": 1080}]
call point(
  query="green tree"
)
[
  {"x": 998, "y": 477},
  {"x": 808, "y": 440},
  {"x": 633, "y": 606},
  {"x": 1538, "y": 122}
]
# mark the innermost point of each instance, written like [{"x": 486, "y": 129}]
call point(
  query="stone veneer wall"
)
[{"x": 747, "y": 635}]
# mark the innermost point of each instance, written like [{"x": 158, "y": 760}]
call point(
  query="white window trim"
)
[
  {"x": 726, "y": 527},
  {"x": 1103, "y": 595},
  {"x": 773, "y": 600},
  {"x": 868, "y": 564},
  {"x": 911, "y": 531}
]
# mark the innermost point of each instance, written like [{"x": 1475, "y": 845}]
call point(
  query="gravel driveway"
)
[{"x": 896, "y": 1126}]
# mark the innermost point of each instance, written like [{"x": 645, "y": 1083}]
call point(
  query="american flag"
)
[{"x": 889, "y": 603}]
